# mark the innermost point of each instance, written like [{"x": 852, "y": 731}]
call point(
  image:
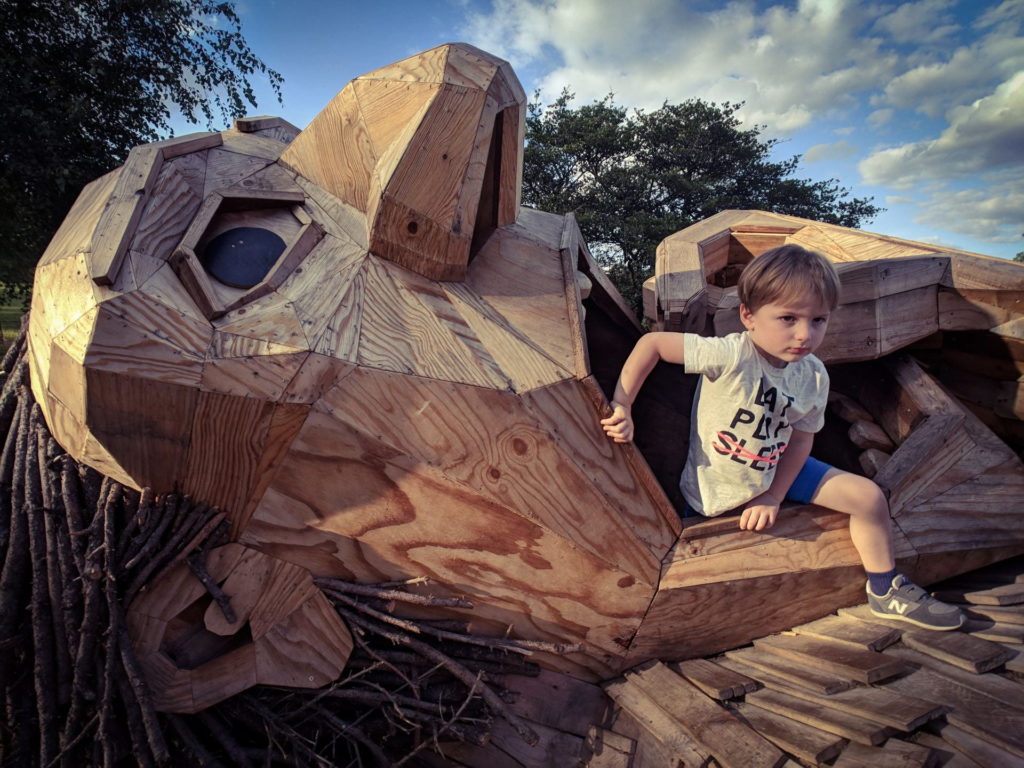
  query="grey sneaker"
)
[{"x": 905, "y": 601}]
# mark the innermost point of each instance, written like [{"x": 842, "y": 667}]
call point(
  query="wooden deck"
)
[{"x": 848, "y": 690}]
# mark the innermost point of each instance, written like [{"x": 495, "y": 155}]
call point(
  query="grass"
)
[{"x": 10, "y": 322}]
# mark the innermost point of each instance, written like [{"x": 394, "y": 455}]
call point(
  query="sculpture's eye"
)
[
  {"x": 241, "y": 257},
  {"x": 241, "y": 245}
]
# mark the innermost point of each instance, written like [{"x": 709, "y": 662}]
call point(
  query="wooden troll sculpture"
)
[{"x": 355, "y": 342}]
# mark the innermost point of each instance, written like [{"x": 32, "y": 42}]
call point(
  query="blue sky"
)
[{"x": 918, "y": 104}]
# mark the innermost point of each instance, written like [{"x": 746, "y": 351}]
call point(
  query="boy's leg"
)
[
  {"x": 871, "y": 532},
  {"x": 870, "y": 525}
]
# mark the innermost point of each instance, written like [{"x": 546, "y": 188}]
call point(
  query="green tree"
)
[
  {"x": 83, "y": 81},
  {"x": 633, "y": 177},
  {"x": 1019, "y": 257}
]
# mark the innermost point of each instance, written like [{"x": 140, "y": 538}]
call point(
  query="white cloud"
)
[
  {"x": 984, "y": 136},
  {"x": 917, "y": 22},
  {"x": 993, "y": 213},
  {"x": 836, "y": 151},
  {"x": 880, "y": 117},
  {"x": 789, "y": 63}
]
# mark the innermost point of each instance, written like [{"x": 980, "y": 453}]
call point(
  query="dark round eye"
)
[{"x": 242, "y": 257}]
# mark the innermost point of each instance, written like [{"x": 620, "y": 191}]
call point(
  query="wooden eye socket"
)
[{"x": 241, "y": 257}]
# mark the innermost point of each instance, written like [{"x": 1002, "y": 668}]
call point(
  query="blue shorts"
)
[
  {"x": 803, "y": 487},
  {"x": 808, "y": 480}
]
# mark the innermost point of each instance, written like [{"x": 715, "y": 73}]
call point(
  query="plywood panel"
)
[
  {"x": 526, "y": 287},
  {"x": 260, "y": 376},
  {"x": 391, "y": 113},
  {"x": 167, "y": 216},
  {"x": 228, "y": 436},
  {"x": 122, "y": 347},
  {"x": 166, "y": 288},
  {"x": 425, "y": 67},
  {"x": 271, "y": 318},
  {"x": 225, "y": 168},
  {"x": 354, "y": 507},
  {"x": 119, "y": 218},
  {"x": 689, "y": 622},
  {"x": 523, "y": 361},
  {"x": 402, "y": 331},
  {"x": 486, "y": 441},
  {"x": 149, "y": 444},
  {"x": 334, "y": 151},
  {"x": 251, "y": 144},
  {"x": 568, "y": 412},
  {"x": 334, "y": 216},
  {"x": 76, "y": 231}
]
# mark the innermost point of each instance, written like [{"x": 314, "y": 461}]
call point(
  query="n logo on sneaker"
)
[{"x": 898, "y": 606}]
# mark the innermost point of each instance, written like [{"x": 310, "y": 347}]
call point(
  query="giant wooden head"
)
[{"x": 355, "y": 342}]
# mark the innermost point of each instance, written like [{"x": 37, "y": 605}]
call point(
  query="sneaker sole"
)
[{"x": 897, "y": 617}]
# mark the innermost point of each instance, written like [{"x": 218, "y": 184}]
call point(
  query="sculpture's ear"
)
[{"x": 430, "y": 148}]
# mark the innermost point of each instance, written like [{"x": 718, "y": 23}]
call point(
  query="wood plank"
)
[
  {"x": 607, "y": 749},
  {"x": 867, "y": 434},
  {"x": 558, "y": 701},
  {"x": 1009, "y": 614},
  {"x": 659, "y": 723},
  {"x": 847, "y": 409},
  {"x": 552, "y": 747},
  {"x": 977, "y": 713},
  {"x": 907, "y": 317},
  {"x": 670, "y": 628},
  {"x": 715, "y": 681},
  {"x": 798, "y": 739},
  {"x": 860, "y": 634},
  {"x": 993, "y": 631},
  {"x": 978, "y": 749},
  {"x": 732, "y": 743},
  {"x": 875, "y": 279},
  {"x": 895, "y": 754},
  {"x": 843, "y": 724},
  {"x": 959, "y": 649},
  {"x": 873, "y": 461},
  {"x": 900, "y": 712},
  {"x": 839, "y": 659},
  {"x": 994, "y": 685},
  {"x": 756, "y": 664},
  {"x": 947, "y": 756},
  {"x": 119, "y": 218},
  {"x": 1007, "y": 594}
]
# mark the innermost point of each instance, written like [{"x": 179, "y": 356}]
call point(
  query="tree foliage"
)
[
  {"x": 83, "y": 81},
  {"x": 633, "y": 177}
]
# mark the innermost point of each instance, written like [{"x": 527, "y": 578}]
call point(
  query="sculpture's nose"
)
[{"x": 438, "y": 163}]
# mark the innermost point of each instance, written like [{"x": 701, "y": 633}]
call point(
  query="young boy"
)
[{"x": 761, "y": 397}]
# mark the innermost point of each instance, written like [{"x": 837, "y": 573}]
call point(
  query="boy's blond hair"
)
[{"x": 788, "y": 272}]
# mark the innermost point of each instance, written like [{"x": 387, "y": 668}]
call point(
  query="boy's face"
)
[{"x": 788, "y": 330}]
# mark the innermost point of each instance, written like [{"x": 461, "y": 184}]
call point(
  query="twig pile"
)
[{"x": 76, "y": 547}]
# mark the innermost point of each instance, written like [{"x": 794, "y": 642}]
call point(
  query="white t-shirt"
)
[{"x": 744, "y": 412}]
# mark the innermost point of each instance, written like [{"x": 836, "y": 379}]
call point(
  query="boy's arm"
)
[
  {"x": 761, "y": 511},
  {"x": 651, "y": 348}
]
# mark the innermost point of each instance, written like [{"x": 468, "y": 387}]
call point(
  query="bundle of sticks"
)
[{"x": 76, "y": 547}]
